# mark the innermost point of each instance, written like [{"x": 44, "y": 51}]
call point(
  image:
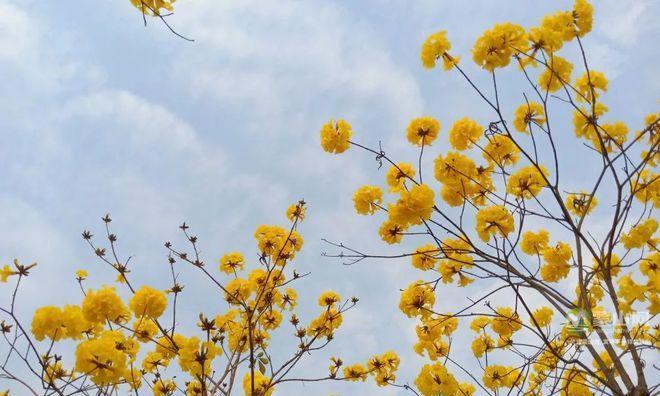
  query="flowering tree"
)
[
  {"x": 108, "y": 345},
  {"x": 490, "y": 225}
]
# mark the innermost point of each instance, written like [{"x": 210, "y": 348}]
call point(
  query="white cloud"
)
[
  {"x": 279, "y": 62},
  {"x": 623, "y": 21},
  {"x": 138, "y": 122}
]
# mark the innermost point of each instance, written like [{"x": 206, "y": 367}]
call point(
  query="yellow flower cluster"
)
[
  {"x": 231, "y": 263},
  {"x": 527, "y": 182},
  {"x": 580, "y": 204},
  {"x": 496, "y": 46},
  {"x": 108, "y": 348},
  {"x": 335, "y": 136},
  {"x": 367, "y": 199},
  {"x": 497, "y": 376},
  {"x": 457, "y": 258},
  {"x": 381, "y": 367},
  {"x": 436, "y": 47},
  {"x": 641, "y": 235},
  {"x": 436, "y": 380},
  {"x": 556, "y": 266},
  {"x": 528, "y": 114},
  {"x": 398, "y": 175},
  {"x": 57, "y": 323},
  {"x": 154, "y": 7},
  {"x": 461, "y": 179},
  {"x": 494, "y": 220},
  {"x": 277, "y": 243},
  {"x": 465, "y": 133},
  {"x": 417, "y": 300},
  {"x": 534, "y": 242},
  {"x": 423, "y": 131},
  {"x": 433, "y": 335},
  {"x": 148, "y": 302},
  {"x": 501, "y": 151},
  {"x": 413, "y": 206}
]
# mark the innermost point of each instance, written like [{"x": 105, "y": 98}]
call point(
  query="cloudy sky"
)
[{"x": 100, "y": 114}]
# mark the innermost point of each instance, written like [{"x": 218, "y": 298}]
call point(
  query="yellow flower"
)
[
  {"x": 356, "y": 372},
  {"x": 506, "y": 322},
  {"x": 194, "y": 388},
  {"x": 367, "y": 199},
  {"x": 103, "y": 304},
  {"x": 640, "y": 235},
  {"x": 164, "y": 387},
  {"x": 48, "y": 322},
  {"x": 145, "y": 329},
  {"x": 631, "y": 291},
  {"x": 296, "y": 212},
  {"x": 542, "y": 316},
  {"x": 5, "y": 273},
  {"x": 583, "y": 16},
  {"x": 195, "y": 357},
  {"x": 610, "y": 136},
  {"x": 482, "y": 344},
  {"x": 465, "y": 133},
  {"x": 417, "y": 300},
  {"x": 386, "y": 362},
  {"x": 391, "y": 232},
  {"x": 148, "y": 302},
  {"x": 435, "y": 47},
  {"x": 425, "y": 257},
  {"x": 455, "y": 167},
  {"x": 612, "y": 264},
  {"x": 397, "y": 176},
  {"x": 501, "y": 151},
  {"x": 328, "y": 299},
  {"x": 423, "y": 131},
  {"x": 262, "y": 386},
  {"x": 580, "y": 204},
  {"x": 153, "y": 360},
  {"x": 556, "y": 74},
  {"x": 494, "y": 220},
  {"x": 646, "y": 187},
  {"x": 237, "y": 290},
  {"x": 584, "y": 122},
  {"x": 527, "y": 182},
  {"x": 589, "y": 85},
  {"x": 497, "y": 376},
  {"x": 561, "y": 23},
  {"x": 436, "y": 380},
  {"x": 102, "y": 359},
  {"x": 154, "y": 7},
  {"x": 326, "y": 323},
  {"x": 335, "y": 136},
  {"x": 556, "y": 259},
  {"x": 496, "y": 46},
  {"x": 479, "y": 323},
  {"x": 278, "y": 243},
  {"x": 534, "y": 242},
  {"x": 271, "y": 320},
  {"x": 527, "y": 114},
  {"x": 650, "y": 264},
  {"x": 81, "y": 275},
  {"x": 541, "y": 38},
  {"x": 413, "y": 206},
  {"x": 231, "y": 263}
]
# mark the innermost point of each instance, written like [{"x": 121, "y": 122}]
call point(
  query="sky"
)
[{"x": 100, "y": 114}]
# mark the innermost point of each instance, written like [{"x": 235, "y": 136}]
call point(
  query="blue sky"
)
[{"x": 100, "y": 114}]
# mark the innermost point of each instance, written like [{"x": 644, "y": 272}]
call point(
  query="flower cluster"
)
[
  {"x": 129, "y": 340},
  {"x": 494, "y": 217}
]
